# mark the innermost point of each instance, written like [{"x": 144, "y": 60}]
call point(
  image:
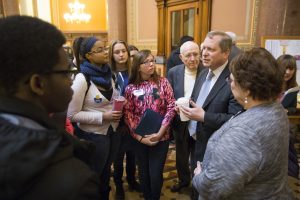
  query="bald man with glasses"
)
[{"x": 182, "y": 79}]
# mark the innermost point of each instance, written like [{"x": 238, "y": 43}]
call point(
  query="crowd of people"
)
[{"x": 236, "y": 143}]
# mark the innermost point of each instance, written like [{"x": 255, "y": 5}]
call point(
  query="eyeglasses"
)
[
  {"x": 99, "y": 50},
  {"x": 70, "y": 73},
  {"x": 149, "y": 62}
]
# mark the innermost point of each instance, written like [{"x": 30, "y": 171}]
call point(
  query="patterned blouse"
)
[{"x": 147, "y": 95}]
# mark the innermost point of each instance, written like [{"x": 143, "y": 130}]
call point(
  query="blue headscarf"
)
[{"x": 87, "y": 45}]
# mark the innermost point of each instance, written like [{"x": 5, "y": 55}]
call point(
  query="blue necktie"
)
[{"x": 200, "y": 100}]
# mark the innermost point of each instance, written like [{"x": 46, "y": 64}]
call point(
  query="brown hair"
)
[
  {"x": 138, "y": 59},
  {"x": 226, "y": 41},
  {"x": 256, "y": 70},
  {"x": 132, "y": 47},
  {"x": 112, "y": 62},
  {"x": 287, "y": 61}
]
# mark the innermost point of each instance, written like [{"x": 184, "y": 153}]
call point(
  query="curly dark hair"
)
[
  {"x": 256, "y": 70},
  {"x": 28, "y": 45}
]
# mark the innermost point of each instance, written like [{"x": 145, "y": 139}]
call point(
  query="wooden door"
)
[
  {"x": 181, "y": 20},
  {"x": 177, "y": 18}
]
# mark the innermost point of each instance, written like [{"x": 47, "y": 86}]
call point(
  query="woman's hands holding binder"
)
[
  {"x": 154, "y": 138},
  {"x": 149, "y": 140}
]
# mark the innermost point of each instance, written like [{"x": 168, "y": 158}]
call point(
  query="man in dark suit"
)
[
  {"x": 212, "y": 100},
  {"x": 182, "y": 79}
]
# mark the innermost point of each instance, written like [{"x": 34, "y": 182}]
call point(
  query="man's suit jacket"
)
[
  {"x": 219, "y": 107},
  {"x": 234, "y": 51},
  {"x": 176, "y": 79}
]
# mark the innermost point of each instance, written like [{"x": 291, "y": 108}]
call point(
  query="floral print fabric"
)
[{"x": 148, "y": 94}]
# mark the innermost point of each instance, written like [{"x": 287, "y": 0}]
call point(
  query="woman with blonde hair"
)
[{"x": 120, "y": 64}]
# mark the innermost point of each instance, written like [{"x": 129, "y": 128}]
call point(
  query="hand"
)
[
  {"x": 177, "y": 109},
  {"x": 194, "y": 113},
  {"x": 125, "y": 102},
  {"x": 114, "y": 116},
  {"x": 154, "y": 137},
  {"x": 198, "y": 169},
  {"x": 148, "y": 140}
]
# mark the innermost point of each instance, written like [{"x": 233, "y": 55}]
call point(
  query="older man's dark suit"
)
[
  {"x": 234, "y": 51},
  {"x": 219, "y": 107},
  {"x": 180, "y": 129}
]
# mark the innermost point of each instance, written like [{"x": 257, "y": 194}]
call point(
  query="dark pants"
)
[
  {"x": 151, "y": 161},
  {"x": 107, "y": 147},
  {"x": 126, "y": 147},
  {"x": 183, "y": 142}
]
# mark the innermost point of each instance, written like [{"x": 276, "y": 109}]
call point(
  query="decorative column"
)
[
  {"x": 1, "y": 9},
  {"x": 117, "y": 24},
  {"x": 161, "y": 10},
  {"x": 10, "y": 7}
]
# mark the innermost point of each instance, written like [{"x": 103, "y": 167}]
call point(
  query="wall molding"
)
[
  {"x": 133, "y": 36},
  {"x": 252, "y": 30}
]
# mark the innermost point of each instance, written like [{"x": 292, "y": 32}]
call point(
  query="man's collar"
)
[{"x": 219, "y": 70}]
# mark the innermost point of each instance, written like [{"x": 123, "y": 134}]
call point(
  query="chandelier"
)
[{"x": 77, "y": 14}]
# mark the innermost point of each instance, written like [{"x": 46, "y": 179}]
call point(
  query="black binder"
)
[{"x": 149, "y": 123}]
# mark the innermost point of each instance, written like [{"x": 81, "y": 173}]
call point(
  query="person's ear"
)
[
  {"x": 181, "y": 57},
  {"x": 88, "y": 56},
  {"x": 227, "y": 52},
  {"x": 36, "y": 84},
  {"x": 247, "y": 93}
]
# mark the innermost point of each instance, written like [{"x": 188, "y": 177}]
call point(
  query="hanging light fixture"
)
[{"x": 77, "y": 14}]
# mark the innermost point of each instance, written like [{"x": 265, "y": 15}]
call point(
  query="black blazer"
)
[
  {"x": 176, "y": 79},
  {"x": 219, "y": 107},
  {"x": 289, "y": 102}
]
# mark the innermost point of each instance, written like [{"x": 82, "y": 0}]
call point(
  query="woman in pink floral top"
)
[{"x": 147, "y": 90}]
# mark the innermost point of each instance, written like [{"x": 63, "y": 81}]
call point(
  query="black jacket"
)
[
  {"x": 174, "y": 59},
  {"x": 41, "y": 164}
]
